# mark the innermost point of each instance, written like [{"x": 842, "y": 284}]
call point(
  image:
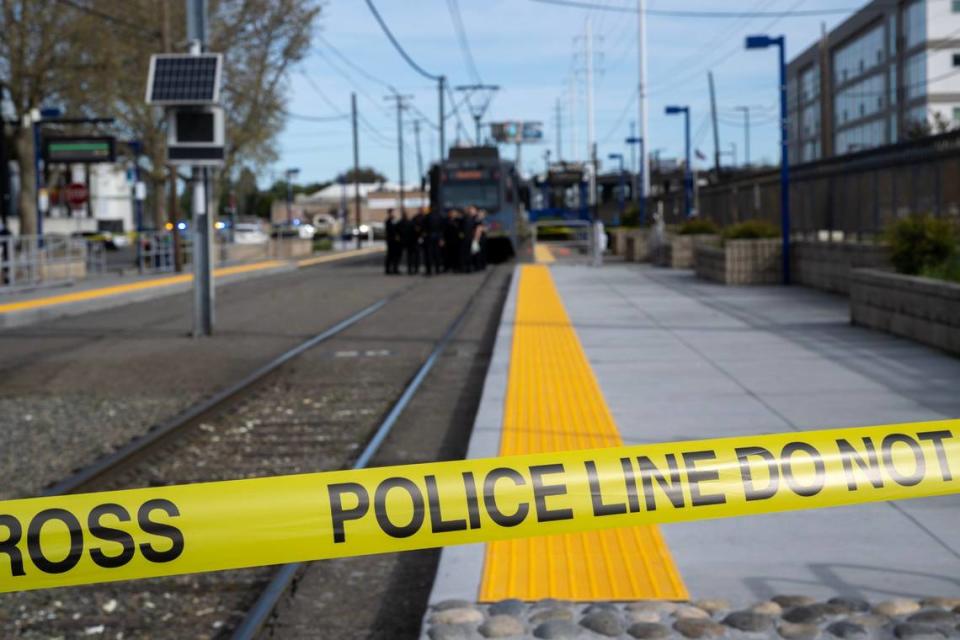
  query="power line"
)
[
  {"x": 386, "y": 140},
  {"x": 680, "y": 13},
  {"x": 106, "y": 17},
  {"x": 297, "y": 116},
  {"x": 457, "y": 19},
  {"x": 366, "y": 74},
  {"x": 386, "y": 30}
]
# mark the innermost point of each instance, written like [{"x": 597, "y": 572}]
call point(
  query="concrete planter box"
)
[
  {"x": 618, "y": 241},
  {"x": 637, "y": 245},
  {"x": 677, "y": 251},
  {"x": 291, "y": 248},
  {"x": 921, "y": 309},
  {"x": 827, "y": 265},
  {"x": 739, "y": 261}
]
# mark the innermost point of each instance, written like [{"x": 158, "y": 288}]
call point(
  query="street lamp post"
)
[
  {"x": 622, "y": 185},
  {"x": 641, "y": 192},
  {"x": 290, "y": 175},
  {"x": 688, "y": 169},
  {"x": 762, "y": 42}
]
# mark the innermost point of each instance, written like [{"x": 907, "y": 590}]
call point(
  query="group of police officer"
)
[{"x": 455, "y": 243}]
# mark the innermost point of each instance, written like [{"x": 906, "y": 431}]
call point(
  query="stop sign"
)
[{"x": 75, "y": 194}]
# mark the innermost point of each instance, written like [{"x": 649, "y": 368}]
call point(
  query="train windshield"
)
[{"x": 485, "y": 195}]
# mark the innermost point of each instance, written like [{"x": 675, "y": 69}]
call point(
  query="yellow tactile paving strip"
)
[
  {"x": 553, "y": 404},
  {"x": 542, "y": 254},
  {"x": 104, "y": 292}
]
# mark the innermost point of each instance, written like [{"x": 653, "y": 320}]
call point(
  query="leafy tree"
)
[{"x": 365, "y": 175}]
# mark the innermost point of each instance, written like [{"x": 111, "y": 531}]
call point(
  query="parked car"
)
[{"x": 249, "y": 233}]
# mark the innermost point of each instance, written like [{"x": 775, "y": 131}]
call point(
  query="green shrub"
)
[
  {"x": 631, "y": 216},
  {"x": 921, "y": 243},
  {"x": 949, "y": 269},
  {"x": 322, "y": 244},
  {"x": 697, "y": 227},
  {"x": 751, "y": 230}
]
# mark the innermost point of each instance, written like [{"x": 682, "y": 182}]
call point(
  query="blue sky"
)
[{"x": 528, "y": 49}]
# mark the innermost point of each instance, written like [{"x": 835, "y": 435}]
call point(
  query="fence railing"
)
[
  {"x": 854, "y": 195},
  {"x": 30, "y": 260}
]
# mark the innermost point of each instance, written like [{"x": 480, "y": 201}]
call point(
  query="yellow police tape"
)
[{"x": 141, "y": 533}]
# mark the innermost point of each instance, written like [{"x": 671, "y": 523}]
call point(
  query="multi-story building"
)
[{"x": 888, "y": 73}]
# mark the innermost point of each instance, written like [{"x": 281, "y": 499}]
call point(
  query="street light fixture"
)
[
  {"x": 642, "y": 196},
  {"x": 762, "y": 42},
  {"x": 673, "y": 110},
  {"x": 620, "y": 195}
]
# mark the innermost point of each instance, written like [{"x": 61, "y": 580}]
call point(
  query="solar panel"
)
[{"x": 184, "y": 79}]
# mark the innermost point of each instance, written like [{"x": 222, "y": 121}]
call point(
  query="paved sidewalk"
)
[{"x": 681, "y": 359}]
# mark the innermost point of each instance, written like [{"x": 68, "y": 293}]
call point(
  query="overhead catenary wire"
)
[
  {"x": 454, "y": 7},
  {"x": 396, "y": 44},
  {"x": 689, "y": 13},
  {"x": 366, "y": 74},
  {"x": 106, "y": 17}
]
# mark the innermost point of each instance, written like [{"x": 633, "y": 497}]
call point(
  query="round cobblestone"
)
[
  {"x": 699, "y": 628},
  {"x": 648, "y": 631},
  {"x": 917, "y": 631},
  {"x": 897, "y": 607},
  {"x": 849, "y": 605},
  {"x": 510, "y": 607},
  {"x": 788, "y": 601},
  {"x": 460, "y": 615},
  {"x": 652, "y": 605},
  {"x": 451, "y": 632},
  {"x": 689, "y": 611},
  {"x": 501, "y": 626},
  {"x": 642, "y": 616},
  {"x": 846, "y": 629},
  {"x": 748, "y": 621},
  {"x": 943, "y": 603},
  {"x": 806, "y": 614},
  {"x": 870, "y": 620},
  {"x": 713, "y": 605},
  {"x": 604, "y": 622},
  {"x": 933, "y": 616},
  {"x": 452, "y": 604},
  {"x": 553, "y": 613},
  {"x": 557, "y": 630},
  {"x": 768, "y": 608},
  {"x": 794, "y": 631}
]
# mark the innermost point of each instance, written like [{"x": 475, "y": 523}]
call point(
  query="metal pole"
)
[
  {"x": 716, "y": 131},
  {"x": 643, "y": 181},
  {"x": 4, "y": 170},
  {"x": 356, "y": 168},
  {"x": 642, "y": 88},
  {"x": 633, "y": 160},
  {"x": 591, "y": 133},
  {"x": 559, "y": 133},
  {"x": 289, "y": 197},
  {"x": 202, "y": 273},
  {"x": 746, "y": 135},
  {"x": 416, "y": 134},
  {"x": 784, "y": 162},
  {"x": 621, "y": 199},
  {"x": 442, "y": 124},
  {"x": 688, "y": 173},
  {"x": 38, "y": 177}
]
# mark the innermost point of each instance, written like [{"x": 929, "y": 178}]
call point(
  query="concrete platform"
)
[
  {"x": 680, "y": 359},
  {"x": 96, "y": 293}
]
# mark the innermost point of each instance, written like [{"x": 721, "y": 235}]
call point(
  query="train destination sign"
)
[{"x": 79, "y": 149}]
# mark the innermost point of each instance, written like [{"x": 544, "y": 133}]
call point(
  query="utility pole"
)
[
  {"x": 574, "y": 124},
  {"x": 204, "y": 293},
  {"x": 401, "y": 105},
  {"x": 633, "y": 162},
  {"x": 746, "y": 134},
  {"x": 713, "y": 117},
  {"x": 416, "y": 137},
  {"x": 591, "y": 133},
  {"x": 356, "y": 167},
  {"x": 642, "y": 92},
  {"x": 559, "y": 133},
  {"x": 442, "y": 123}
]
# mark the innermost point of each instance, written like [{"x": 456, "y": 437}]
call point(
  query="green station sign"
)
[{"x": 79, "y": 149}]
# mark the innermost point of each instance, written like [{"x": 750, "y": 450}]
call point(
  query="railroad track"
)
[{"x": 268, "y": 423}]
